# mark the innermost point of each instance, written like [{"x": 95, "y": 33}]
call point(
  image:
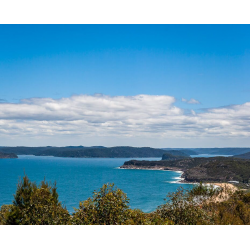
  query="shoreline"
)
[
  {"x": 153, "y": 168},
  {"x": 180, "y": 179},
  {"x": 225, "y": 185}
]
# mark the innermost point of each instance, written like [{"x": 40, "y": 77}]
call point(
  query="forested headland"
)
[
  {"x": 120, "y": 151},
  {"x": 7, "y": 155},
  {"x": 214, "y": 169}
]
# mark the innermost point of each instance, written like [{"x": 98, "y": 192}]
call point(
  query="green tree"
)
[
  {"x": 233, "y": 211},
  {"x": 184, "y": 208},
  {"x": 4, "y": 211},
  {"x": 36, "y": 205},
  {"x": 109, "y": 206}
]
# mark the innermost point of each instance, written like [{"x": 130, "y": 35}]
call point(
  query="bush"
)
[
  {"x": 109, "y": 206},
  {"x": 185, "y": 207},
  {"x": 234, "y": 211},
  {"x": 5, "y": 209},
  {"x": 36, "y": 205}
]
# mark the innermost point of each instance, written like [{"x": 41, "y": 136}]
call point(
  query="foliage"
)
[
  {"x": 221, "y": 169},
  {"x": 7, "y": 155},
  {"x": 185, "y": 207},
  {"x": 234, "y": 211},
  {"x": 174, "y": 155},
  {"x": 109, "y": 206},
  {"x": 206, "y": 191},
  {"x": 36, "y": 205},
  {"x": 138, "y": 217},
  {"x": 4, "y": 210}
]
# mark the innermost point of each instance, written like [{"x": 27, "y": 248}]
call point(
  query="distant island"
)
[
  {"x": 120, "y": 151},
  {"x": 6, "y": 156},
  {"x": 87, "y": 152}
]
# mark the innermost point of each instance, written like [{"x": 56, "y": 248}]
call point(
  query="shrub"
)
[
  {"x": 109, "y": 206},
  {"x": 36, "y": 205},
  {"x": 5, "y": 209},
  {"x": 183, "y": 209},
  {"x": 234, "y": 211}
]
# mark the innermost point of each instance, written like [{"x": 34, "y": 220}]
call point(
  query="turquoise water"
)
[{"x": 77, "y": 178}]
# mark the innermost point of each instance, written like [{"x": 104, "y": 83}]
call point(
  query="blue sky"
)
[{"x": 207, "y": 63}]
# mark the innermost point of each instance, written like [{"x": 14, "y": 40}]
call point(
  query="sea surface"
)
[{"x": 77, "y": 178}]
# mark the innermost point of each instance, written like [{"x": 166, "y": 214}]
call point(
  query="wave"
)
[{"x": 178, "y": 182}]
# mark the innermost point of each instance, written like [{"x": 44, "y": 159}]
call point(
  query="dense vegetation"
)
[
  {"x": 214, "y": 169},
  {"x": 171, "y": 155},
  {"x": 87, "y": 152},
  {"x": 243, "y": 156},
  {"x": 39, "y": 205},
  {"x": 7, "y": 155},
  {"x": 220, "y": 170},
  {"x": 115, "y": 152},
  {"x": 183, "y": 150}
]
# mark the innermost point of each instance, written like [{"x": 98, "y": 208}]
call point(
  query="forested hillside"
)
[{"x": 87, "y": 152}]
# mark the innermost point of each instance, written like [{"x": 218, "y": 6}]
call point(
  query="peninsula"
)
[
  {"x": 214, "y": 169},
  {"x": 7, "y": 155}
]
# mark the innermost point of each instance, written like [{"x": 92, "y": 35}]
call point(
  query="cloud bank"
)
[{"x": 120, "y": 116}]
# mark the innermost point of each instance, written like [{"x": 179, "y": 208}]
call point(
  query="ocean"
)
[{"x": 77, "y": 178}]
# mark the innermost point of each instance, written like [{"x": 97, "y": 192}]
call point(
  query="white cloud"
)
[
  {"x": 191, "y": 101},
  {"x": 119, "y": 116}
]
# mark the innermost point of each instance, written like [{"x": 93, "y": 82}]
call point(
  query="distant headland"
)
[
  {"x": 122, "y": 152},
  {"x": 7, "y": 155},
  {"x": 213, "y": 169}
]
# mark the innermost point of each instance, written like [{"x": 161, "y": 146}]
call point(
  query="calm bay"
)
[{"x": 77, "y": 178}]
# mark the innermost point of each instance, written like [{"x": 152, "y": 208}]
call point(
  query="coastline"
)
[
  {"x": 227, "y": 186},
  {"x": 227, "y": 190},
  {"x": 181, "y": 179},
  {"x": 177, "y": 170},
  {"x": 155, "y": 167},
  {"x": 178, "y": 180}
]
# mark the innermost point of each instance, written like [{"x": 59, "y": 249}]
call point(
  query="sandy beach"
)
[
  {"x": 228, "y": 190},
  {"x": 227, "y": 186}
]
